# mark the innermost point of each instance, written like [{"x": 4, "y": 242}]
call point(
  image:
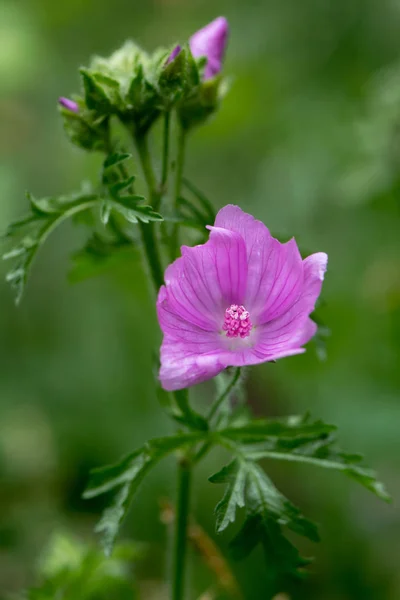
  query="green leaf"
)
[
  {"x": 30, "y": 232},
  {"x": 116, "y": 158},
  {"x": 266, "y": 509},
  {"x": 264, "y": 498},
  {"x": 296, "y": 439},
  {"x": 322, "y": 454},
  {"x": 128, "y": 206},
  {"x": 282, "y": 558},
  {"x": 120, "y": 186},
  {"x": 125, "y": 477},
  {"x": 291, "y": 429},
  {"x": 235, "y": 476}
]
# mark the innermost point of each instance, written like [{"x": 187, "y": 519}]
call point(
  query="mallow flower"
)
[
  {"x": 69, "y": 104},
  {"x": 210, "y": 42},
  {"x": 242, "y": 298}
]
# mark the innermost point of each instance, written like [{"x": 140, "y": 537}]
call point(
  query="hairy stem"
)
[
  {"x": 181, "y": 525},
  {"x": 180, "y": 159},
  {"x": 147, "y": 229},
  {"x": 165, "y": 157}
]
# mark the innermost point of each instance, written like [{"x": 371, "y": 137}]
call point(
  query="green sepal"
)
[
  {"x": 178, "y": 78},
  {"x": 85, "y": 128},
  {"x": 205, "y": 101},
  {"x": 96, "y": 97}
]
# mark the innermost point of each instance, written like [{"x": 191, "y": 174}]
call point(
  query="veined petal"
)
[
  {"x": 179, "y": 330},
  {"x": 275, "y": 270},
  {"x": 179, "y": 370},
  {"x": 208, "y": 279}
]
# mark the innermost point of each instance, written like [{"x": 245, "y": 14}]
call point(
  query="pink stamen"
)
[{"x": 237, "y": 322}]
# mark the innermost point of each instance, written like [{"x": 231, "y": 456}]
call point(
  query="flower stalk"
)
[
  {"x": 180, "y": 161},
  {"x": 149, "y": 239},
  {"x": 181, "y": 527}
]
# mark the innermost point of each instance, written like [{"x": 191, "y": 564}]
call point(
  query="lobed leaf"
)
[
  {"x": 125, "y": 477},
  {"x": 235, "y": 476},
  {"x": 31, "y": 232},
  {"x": 266, "y": 511}
]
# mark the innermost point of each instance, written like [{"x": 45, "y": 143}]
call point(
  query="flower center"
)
[{"x": 237, "y": 322}]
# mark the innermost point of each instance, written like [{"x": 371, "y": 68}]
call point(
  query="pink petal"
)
[
  {"x": 314, "y": 271},
  {"x": 208, "y": 279},
  {"x": 188, "y": 353},
  {"x": 307, "y": 332},
  {"x": 275, "y": 270}
]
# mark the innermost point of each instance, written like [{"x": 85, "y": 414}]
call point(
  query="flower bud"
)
[
  {"x": 210, "y": 42},
  {"x": 173, "y": 54},
  {"x": 69, "y": 104}
]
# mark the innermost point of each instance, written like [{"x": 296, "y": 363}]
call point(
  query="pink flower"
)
[
  {"x": 210, "y": 41},
  {"x": 242, "y": 298},
  {"x": 69, "y": 104}
]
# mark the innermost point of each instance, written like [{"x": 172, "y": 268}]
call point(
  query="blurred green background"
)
[{"x": 308, "y": 141}]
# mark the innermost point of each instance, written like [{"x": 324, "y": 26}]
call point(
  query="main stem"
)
[
  {"x": 147, "y": 229},
  {"x": 152, "y": 255},
  {"x": 181, "y": 522},
  {"x": 180, "y": 159},
  {"x": 165, "y": 154}
]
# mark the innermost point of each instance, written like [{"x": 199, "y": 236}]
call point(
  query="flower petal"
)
[
  {"x": 188, "y": 353},
  {"x": 314, "y": 271},
  {"x": 210, "y": 41},
  {"x": 275, "y": 270},
  {"x": 208, "y": 279}
]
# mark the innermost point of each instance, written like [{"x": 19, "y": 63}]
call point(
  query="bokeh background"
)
[{"x": 308, "y": 141}]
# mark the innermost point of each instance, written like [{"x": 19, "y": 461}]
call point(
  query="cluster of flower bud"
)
[{"x": 138, "y": 87}]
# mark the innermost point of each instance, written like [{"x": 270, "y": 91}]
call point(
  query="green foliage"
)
[
  {"x": 120, "y": 196},
  {"x": 295, "y": 439},
  {"x": 235, "y": 476},
  {"x": 124, "y": 478},
  {"x": 137, "y": 88},
  {"x": 30, "y": 232},
  {"x": 267, "y": 509},
  {"x": 115, "y": 198},
  {"x": 69, "y": 570}
]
